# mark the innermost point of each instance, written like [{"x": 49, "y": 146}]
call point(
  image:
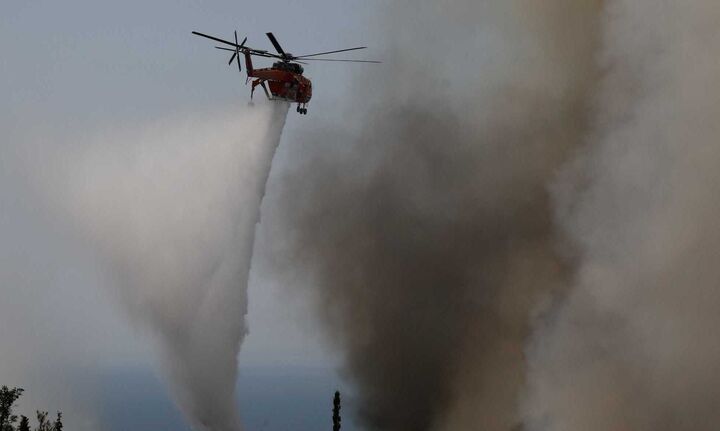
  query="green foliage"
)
[
  {"x": 43, "y": 422},
  {"x": 336, "y": 412},
  {"x": 24, "y": 424},
  {"x": 58, "y": 426},
  {"x": 8, "y": 419},
  {"x": 7, "y": 401}
]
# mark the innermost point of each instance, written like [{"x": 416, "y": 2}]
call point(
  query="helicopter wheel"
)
[{"x": 297, "y": 109}]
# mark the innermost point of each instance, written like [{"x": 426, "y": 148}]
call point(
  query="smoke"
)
[
  {"x": 632, "y": 347},
  {"x": 429, "y": 243},
  {"x": 426, "y": 236},
  {"x": 172, "y": 210}
]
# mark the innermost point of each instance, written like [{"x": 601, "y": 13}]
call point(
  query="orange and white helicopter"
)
[{"x": 285, "y": 77}]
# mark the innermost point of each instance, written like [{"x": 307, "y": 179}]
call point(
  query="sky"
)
[
  {"x": 76, "y": 68},
  {"x": 509, "y": 224}
]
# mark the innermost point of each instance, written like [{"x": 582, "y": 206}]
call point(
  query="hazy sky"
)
[
  {"x": 76, "y": 68},
  {"x": 443, "y": 162}
]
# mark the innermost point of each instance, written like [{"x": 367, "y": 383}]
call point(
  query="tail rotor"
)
[{"x": 236, "y": 54}]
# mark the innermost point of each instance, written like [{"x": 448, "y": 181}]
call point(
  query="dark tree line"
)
[{"x": 8, "y": 419}]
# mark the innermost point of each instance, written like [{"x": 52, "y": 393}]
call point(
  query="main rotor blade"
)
[
  {"x": 275, "y": 43},
  {"x": 330, "y": 52},
  {"x": 214, "y": 38},
  {"x": 263, "y": 54},
  {"x": 257, "y": 52},
  {"x": 232, "y": 58},
  {"x": 346, "y": 61}
]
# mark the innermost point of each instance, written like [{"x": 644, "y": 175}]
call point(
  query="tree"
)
[
  {"x": 58, "y": 426},
  {"x": 24, "y": 424},
  {"x": 336, "y": 412},
  {"x": 8, "y": 419},
  {"x": 7, "y": 400},
  {"x": 43, "y": 422}
]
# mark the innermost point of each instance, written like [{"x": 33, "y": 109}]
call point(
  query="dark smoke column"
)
[{"x": 425, "y": 233}]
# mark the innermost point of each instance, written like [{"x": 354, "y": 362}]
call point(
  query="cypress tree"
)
[{"x": 336, "y": 411}]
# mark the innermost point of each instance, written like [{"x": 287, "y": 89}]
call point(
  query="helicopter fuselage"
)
[{"x": 284, "y": 79}]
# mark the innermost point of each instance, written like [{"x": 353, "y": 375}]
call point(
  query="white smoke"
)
[
  {"x": 633, "y": 346},
  {"x": 172, "y": 209}
]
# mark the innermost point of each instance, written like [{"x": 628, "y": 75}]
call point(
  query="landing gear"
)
[
  {"x": 301, "y": 111},
  {"x": 261, "y": 83}
]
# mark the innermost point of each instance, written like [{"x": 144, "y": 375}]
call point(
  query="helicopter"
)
[{"x": 285, "y": 77}]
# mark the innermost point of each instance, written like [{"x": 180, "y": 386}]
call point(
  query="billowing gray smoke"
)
[
  {"x": 429, "y": 242},
  {"x": 172, "y": 211},
  {"x": 426, "y": 237},
  {"x": 634, "y": 346}
]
